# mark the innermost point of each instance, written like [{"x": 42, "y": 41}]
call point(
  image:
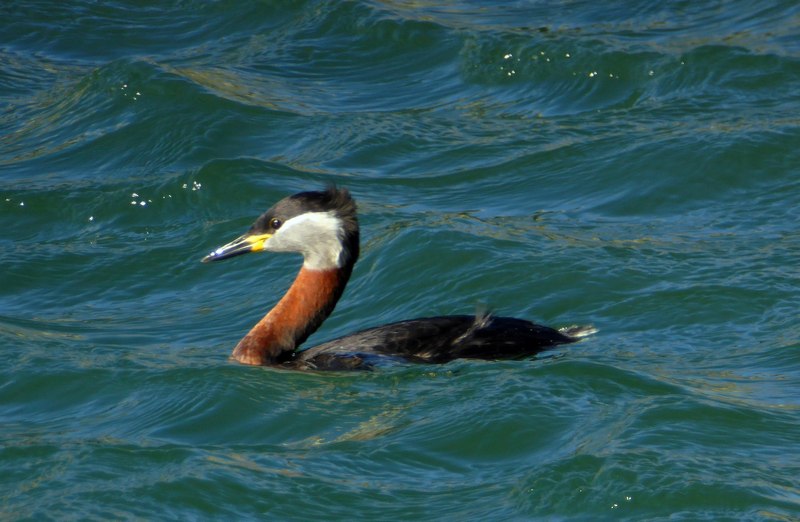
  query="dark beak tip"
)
[{"x": 237, "y": 247}]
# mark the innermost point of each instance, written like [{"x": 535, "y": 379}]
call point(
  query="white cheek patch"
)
[{"x": 316, "y": 235}]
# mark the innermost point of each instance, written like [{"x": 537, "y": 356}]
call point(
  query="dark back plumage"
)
[{"x": 437, "y": 340}]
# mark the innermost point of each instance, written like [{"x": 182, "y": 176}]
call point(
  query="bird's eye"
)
[{"x": 275, "y": 223}]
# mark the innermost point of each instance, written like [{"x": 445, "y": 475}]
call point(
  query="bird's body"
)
[{"x": 323, "y": 227}]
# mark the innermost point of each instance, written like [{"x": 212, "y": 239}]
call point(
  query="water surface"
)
[{"x": 633, "y": 166}]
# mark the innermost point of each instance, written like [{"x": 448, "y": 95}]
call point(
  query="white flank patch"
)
[{"x": 316, "y": 235}]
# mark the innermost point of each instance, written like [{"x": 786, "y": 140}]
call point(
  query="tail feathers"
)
[{"x": 578, "y": 332}]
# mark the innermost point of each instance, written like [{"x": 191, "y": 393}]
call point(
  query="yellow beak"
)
[{"x": 241, "y": 245}]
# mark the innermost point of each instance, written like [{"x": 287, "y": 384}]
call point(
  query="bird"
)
[{"x": 323, "y": 227}]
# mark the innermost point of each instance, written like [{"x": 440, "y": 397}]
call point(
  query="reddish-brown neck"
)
[{"x": 297, "y": 315}]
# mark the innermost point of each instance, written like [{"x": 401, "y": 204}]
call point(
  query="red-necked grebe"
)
[{"x": 324, "y": 228}]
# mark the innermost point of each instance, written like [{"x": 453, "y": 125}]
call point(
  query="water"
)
[{"x": 632, "y": 166}]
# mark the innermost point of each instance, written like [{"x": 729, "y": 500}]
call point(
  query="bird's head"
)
[{"x": 322, "y": 226}]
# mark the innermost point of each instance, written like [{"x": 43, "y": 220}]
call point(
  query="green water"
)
[{"x": 635, "y": 166}]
